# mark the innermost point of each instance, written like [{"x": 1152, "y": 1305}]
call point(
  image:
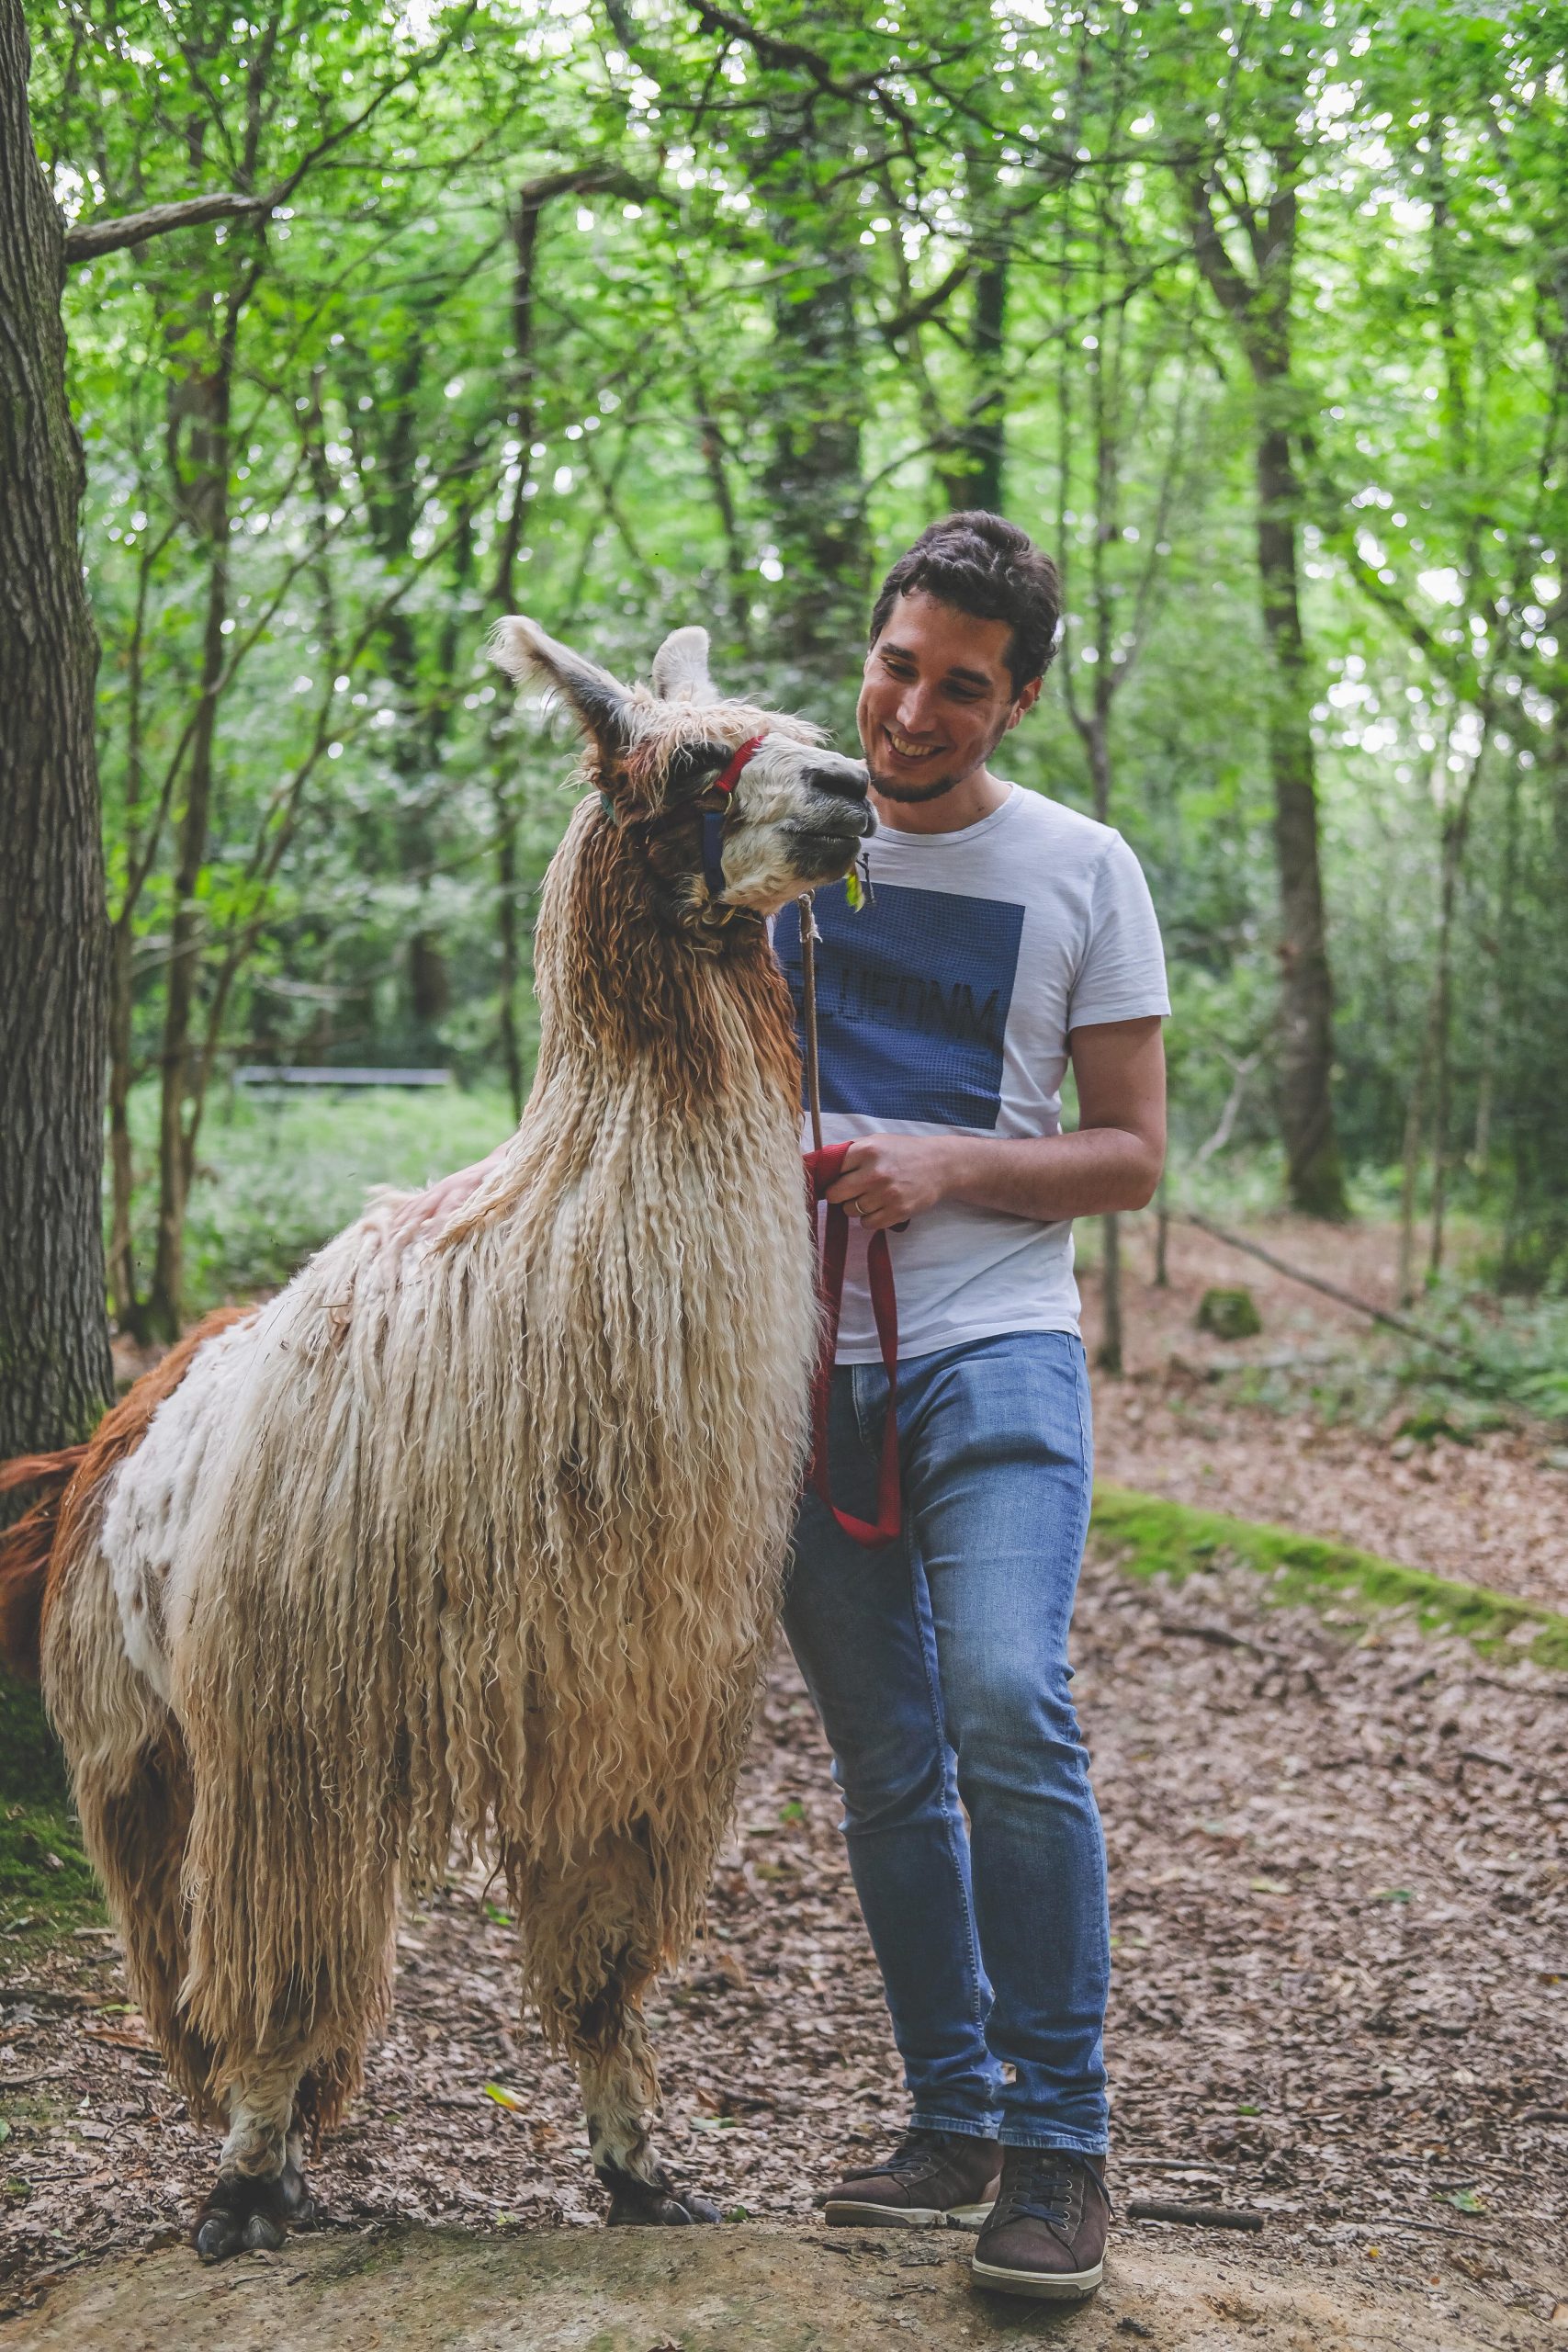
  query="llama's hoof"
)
[
  {"x": 645, "y": 2204},
  {"x": 239, "y": 2214}
]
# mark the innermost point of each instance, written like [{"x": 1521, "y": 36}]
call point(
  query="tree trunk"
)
[
  {"x": 206, "y": 500},
  {"x": 506, "y": 939},
  {"x": 985, "y": 439},
  {"x": 813, "y": 478},
  {"x": 1442, "y": 1036},
  {"x": 1316, "y": 1178},
  {"x": 1108, "y": 1356},
  {"x": 122, "y": 1255},
  {"x": 55, "y": 1372}
]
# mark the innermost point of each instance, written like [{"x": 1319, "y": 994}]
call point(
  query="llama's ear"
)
[
  {"x": 681, "y": 668},
  {"x": 601, "y": 702}
]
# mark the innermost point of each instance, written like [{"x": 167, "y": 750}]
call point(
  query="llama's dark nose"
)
[{"x": 846, "y": 779}]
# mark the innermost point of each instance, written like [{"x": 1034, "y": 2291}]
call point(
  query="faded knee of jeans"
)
[
  {"x": 1018, "y": 1737},
  {"x": 889, "y": 1786}
]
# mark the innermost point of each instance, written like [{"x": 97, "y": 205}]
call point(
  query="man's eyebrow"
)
[{"x": 964, "y": 677}]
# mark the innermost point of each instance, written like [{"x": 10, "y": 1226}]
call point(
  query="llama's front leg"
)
[
  {"x": 260, "y": 2193},
  {"x": 619, "y": 2081}
]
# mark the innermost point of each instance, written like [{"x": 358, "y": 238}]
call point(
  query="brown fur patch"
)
[
  {"x": 24, "y": 1553},
  {"x": 34, "y": 1553},
  {"x": 646, "y": 991}
]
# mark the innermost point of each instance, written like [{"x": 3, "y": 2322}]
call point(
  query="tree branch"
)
[{"x": 88, "y": 238}]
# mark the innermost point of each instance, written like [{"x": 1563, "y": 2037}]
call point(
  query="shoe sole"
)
[
  {"x": 841, "y": 2213},
  {"x": 1043, "y": 2286}
]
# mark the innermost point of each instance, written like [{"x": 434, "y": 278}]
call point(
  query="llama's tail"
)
[
  {"x": 24, "y": 1550},
  {"x": 31, "y": 1548}
]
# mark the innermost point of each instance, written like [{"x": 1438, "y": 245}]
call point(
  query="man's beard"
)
[{"x": 911, "y": 795}]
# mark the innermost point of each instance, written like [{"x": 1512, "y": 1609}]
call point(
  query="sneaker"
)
[
  {"x": 930, "y": 2177},
  {"x": 1046, "y": 2233}
]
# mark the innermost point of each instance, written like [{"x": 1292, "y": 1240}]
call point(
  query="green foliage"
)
[
  {"x": 280, "y": 1174},
  {"x": 46, "y": 1881},
  {"x": 626, "y": 320}
]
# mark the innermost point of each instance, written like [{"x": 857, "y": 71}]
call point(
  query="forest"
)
[
  {"x": 1255, "y": 315},
  {"x": 333, "y": 334}
]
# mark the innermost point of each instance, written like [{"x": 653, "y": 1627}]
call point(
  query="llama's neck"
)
[{"x": 625, "y": 998}]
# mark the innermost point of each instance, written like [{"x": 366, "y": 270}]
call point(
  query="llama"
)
[{"x": 474, "y": 1541}]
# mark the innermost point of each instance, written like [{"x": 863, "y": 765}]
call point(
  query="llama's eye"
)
[{"x": 694, "y": 765}]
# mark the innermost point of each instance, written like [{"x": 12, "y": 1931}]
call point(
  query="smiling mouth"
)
[{"x": 906, "y": 749}]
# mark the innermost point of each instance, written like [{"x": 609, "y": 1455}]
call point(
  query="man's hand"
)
[{"x": 886, "y": 1180}]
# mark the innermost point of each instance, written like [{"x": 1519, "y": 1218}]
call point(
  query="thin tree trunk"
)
[
  {"x": 506, "y": 939},
  {"x": 1162, "y": 1236},
  {"x": 121, "y": 1255},
  {"x": 1410, "y": 1167},
  {"x": 985, "y": 439},
  {"x": 1442, "y": 1039},
  {"x": 55, "y": 1371},
  {"x": 1316, "y": 1176},
  {"x": 208, "y": 503},
  {"x": 1259, "y": 309},
  {"x": 1108, "y": 1356}
]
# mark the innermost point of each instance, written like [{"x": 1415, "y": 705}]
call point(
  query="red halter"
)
[
  {"x": 822, "y": 1168},
  {"x": 712, "y": 819}
]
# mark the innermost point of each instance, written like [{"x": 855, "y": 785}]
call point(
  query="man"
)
[{"x": 1008, "y": 936}]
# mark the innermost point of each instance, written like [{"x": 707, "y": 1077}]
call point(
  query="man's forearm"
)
[{"x": 1091, "y": 1173}]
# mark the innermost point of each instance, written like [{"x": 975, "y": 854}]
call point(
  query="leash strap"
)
[
  {"x": 822, "y": 1168},
  {"x": 712, "y": 819}
]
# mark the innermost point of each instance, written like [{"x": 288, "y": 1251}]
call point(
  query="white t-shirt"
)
[{"x": 947, "y": 1002}]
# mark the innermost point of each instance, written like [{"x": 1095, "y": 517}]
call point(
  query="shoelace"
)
[
  {"x": 1041, "y": 2184},
  {"x": 918, "y": 2152}
]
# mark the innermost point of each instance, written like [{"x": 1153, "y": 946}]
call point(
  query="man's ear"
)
[
  {"x": 681, "y": 668},
  {"x": 602, "y": 704},
  {"x": 1025, "y": 702}
]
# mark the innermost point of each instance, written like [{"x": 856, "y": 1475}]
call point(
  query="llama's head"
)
[{"x": 795, "y": 815}]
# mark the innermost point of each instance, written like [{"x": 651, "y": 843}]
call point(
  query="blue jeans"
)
[{"x": 939, "y": 1667}]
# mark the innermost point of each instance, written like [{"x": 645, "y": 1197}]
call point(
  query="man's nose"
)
[{"x": 914, "y": 710}]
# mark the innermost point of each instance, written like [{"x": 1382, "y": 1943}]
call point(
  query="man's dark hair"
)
[{"x": 982, "y": 565}]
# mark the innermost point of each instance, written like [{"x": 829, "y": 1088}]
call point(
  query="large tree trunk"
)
[
  {"x": 984, "y": 436},
  {"x": 813, "y": 477},
  {"x": 1306, "y": 1007},
  {"x": 55, "y": 1374}
]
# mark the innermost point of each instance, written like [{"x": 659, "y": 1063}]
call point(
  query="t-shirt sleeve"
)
[{"x": 1121, "y": 976}]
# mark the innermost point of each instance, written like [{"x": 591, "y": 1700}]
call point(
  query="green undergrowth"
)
[
  {"x": 46, "y": 1881},
  {"x": 1152, "y": 1538},
  {"x": 279, "y": 1173}
]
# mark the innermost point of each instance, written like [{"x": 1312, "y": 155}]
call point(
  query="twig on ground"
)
[
  {"x": 1203, "y": 2217},
  {"x": 1329, "y": 1290}
]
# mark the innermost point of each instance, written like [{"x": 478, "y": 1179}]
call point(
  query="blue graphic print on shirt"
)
[{"x": 912, "y": 1002}]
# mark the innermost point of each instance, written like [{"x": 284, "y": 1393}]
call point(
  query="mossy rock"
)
[{"x": 1230, "y": 1314}]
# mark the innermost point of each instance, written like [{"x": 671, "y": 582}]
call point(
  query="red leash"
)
[{"x": 823, "y": 1167}]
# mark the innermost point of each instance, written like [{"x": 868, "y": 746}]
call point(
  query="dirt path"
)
[
  {"x": 1340, "y": 1906},
  {"x": 751, "y": 2289},
  {"x": 1493, "y": 1511}
]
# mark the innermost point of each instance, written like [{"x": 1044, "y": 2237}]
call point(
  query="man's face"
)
[{"x": 937, "y": 698}]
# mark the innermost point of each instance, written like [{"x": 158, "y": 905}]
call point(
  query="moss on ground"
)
[
  {"x": 1154, "y": 1538},
  {"x": 46, "y": 1881}
]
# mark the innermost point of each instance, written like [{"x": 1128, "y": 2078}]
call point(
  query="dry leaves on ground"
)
[
  {"x": 1340, "y": 1902},
  {"x": 1493, "y": 1511}
]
